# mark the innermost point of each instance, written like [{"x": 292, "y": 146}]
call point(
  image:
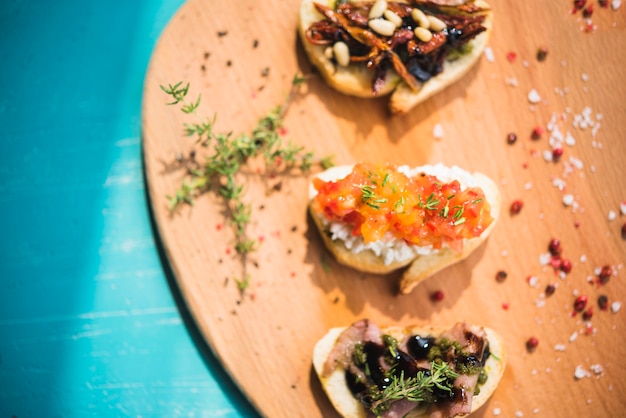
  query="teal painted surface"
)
[{"x": 91, "y": 323}]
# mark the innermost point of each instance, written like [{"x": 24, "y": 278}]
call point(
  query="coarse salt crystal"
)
[
  {"x": 489, "y": 54},
  {"x": 569, "y": 139},
  {"x": 534, "y": 97},
  {"x": 584, "y": 77},
  {"x": 576, "y": 163},
  {"x": 519, "y": 414},
  {"x": 547, "y": 155},
  {"x": 559, "y": 347},
  {"x": 616, "y": 306},
  {"x": 573, "y": 337},
  {"x": 558, "y": 183},
  {"x": 622, "y": 207},
  {"x": 438, "y": 131},
  {"x": 583, "y": 258},
  {"x": 544, "y": 259},
  {"x": 511, "y": 81},
  {"x": 580, "y": 373},
  {"x": 615, "y": 4},
  {"x": 612, "y": 215},
  {"x": 496, "y": 412},
  {"x": 596, "y": 368},
  {"x": 568, "y": 199},
  {"x": 528, "y": 185},
  {"x": 536, "y": 411},
  {"x": 533, "y": 281}
]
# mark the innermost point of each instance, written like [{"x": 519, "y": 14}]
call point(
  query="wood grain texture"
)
[{"x": 242, "y": 59}]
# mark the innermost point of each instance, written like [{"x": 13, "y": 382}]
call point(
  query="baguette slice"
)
[
  {"x": 356, "y": 80},
  {"x": 340, "y": 396},
  {"x": 420, "y": 267}
]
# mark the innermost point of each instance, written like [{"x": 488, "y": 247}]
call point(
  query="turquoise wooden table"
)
[{"x": 91, "y": 323}]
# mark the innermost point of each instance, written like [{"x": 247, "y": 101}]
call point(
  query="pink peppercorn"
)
[
  {"x": 557, "y": 153},
  {"x": 580, "y": 303},
  {"x": 531, "y": 344},
  {"x": 555, "y": 246},
  {"x": 516, "y": 207},
  {"x": 511, "y": 138},
  {"x": 437, "y": 296},
  {"x": 536, "y": 133},
  {"x": 566, "y": 266},
  {"x": 605, "y": 275}
]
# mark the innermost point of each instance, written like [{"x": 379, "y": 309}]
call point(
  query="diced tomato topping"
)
[{"x": 421, "y": 210}]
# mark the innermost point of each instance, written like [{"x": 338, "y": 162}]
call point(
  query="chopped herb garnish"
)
[
  {"x": 228, "y": 153},
  {"x": 325, "y": 265},
  {"x": 386, "y": 179},
  {"x": 419, "y": 388},
  {"x": 431, "y": 202},
  {"x": 459, "y": 211},
  {"x": 445, "y": 210},
  {"x": 368, "y": 192}
]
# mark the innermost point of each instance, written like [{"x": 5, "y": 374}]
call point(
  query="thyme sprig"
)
[
  {"x": 418, "y": 388},
  {"x": 228, "y": 153}
]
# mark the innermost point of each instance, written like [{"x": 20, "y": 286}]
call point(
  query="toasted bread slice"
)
[
  {"x": 339, "y": 394},
  {"x": 356, "y": 79},
  {"x": 420, "y": 267}
]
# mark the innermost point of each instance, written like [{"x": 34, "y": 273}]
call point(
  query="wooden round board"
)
[{"x": 242, "y": 56}]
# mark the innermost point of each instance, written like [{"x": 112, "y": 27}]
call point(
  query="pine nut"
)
[
  {"x": 436, "y": 24},
  {"x": 420, "y": 18},
  {"x": 382, "y": 27},
  {"x": 328, "y": 52},
  {"x": 393, "y": 18},
  {"x": 423, "y": 34},
  {"x": 342, "y": 54},
  {"x": 378, "y": 9}
]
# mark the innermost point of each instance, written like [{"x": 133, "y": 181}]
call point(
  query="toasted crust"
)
[
  {"x": 356, "y": 79},
  {"x": 420, "y": 267},
  {"x": 348, "y": 407}
]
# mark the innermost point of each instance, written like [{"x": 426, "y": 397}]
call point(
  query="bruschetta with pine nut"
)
[
  {"x": 410, "y": 49},
  {"x": 409, "y": 372},
  {"x": 377, "y": 218}
]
